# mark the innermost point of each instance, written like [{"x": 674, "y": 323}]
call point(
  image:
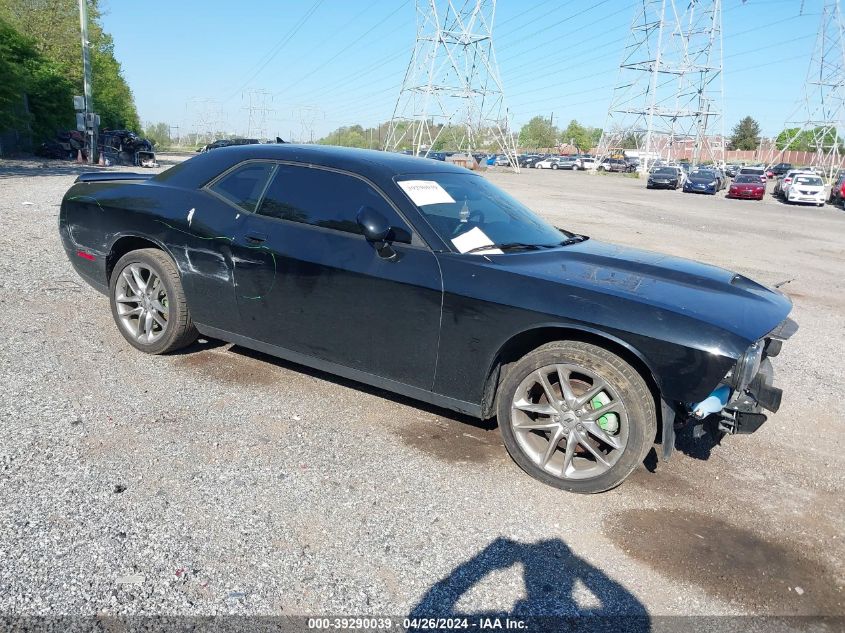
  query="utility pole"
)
[
  {"x": 452, "y": 86},
  {"x": 90, "y": 127}
]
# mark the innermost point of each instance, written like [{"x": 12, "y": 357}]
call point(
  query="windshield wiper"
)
[
  {"x": 509, "y": 246},
  {"x": 575, "y": 239}
]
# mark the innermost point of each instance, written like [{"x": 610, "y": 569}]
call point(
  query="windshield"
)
[
  {"x": 457, "y": 204},
  {"x": 747, "y": 179},
  {"x": 808, "y": 180},
  {"x": 665, "y": 171}
]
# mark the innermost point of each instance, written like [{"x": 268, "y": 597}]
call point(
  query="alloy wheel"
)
[
  {"x": 569, "y": 421},
  {"x": 142, "y": 303}
]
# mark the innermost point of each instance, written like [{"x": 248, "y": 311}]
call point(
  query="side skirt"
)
[{"x": 394, "y": 386}]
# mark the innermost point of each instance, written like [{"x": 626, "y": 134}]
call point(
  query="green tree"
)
[
  {"x": 347, "y": 136},
  {"x": 806, "y": 140},
  {"x": 28, "y": 79},
  {"x": 538, "y": 132},
  {"x": 584, "y": 138},
  {"x": 53, "y": 27},
  {"x": 745, "y": 135},
  {"x": 158, "y": 134},
  {"x": 632, "y": 140}
]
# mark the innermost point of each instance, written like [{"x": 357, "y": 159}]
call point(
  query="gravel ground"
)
[{"x": 222, "y": 481}]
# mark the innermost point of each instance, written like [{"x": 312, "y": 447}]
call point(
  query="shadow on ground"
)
[
  {"x": 557, "y": 584},
  {"x": 352, "y": 384}
]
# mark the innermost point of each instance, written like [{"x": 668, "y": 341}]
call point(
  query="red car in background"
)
[{"x": 747, "y": 186}]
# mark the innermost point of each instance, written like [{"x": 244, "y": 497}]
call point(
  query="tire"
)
[
  {"x": 178, "y": 329},
  {"x": 554, "y": 166},
  {"x": 636, "y": 418},
  {"x": 575, "y": 168}
]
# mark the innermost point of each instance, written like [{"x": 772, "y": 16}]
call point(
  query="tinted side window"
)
[
  {"x": 245, "y": 184},
  {"x": 326, "y": 199}
]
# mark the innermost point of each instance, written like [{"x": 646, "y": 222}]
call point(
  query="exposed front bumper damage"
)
[{"x": 736, "y": 405}]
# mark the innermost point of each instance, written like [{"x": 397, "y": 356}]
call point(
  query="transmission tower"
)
[
  {"x": 668, "y": 97},
  {"x": 819, "y": 117},
  {"x": 308, "y": 115},
  {"x": 452, "y": 95},
  {"x": 259, "y": 111},
  {"x": 206, "y": 118}
]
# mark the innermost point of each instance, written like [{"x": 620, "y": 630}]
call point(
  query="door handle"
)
[{"x": 256, "y": 238}]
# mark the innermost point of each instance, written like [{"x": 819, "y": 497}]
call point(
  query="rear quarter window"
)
[{"x": 244, "y": 185}]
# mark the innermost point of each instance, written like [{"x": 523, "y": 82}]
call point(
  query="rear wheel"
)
[
  {"x": 148, "y": 302},
  {"x": 576, "y": 416}
]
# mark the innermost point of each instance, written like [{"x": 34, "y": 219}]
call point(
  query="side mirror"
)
[{"x": 374, "y": 226}]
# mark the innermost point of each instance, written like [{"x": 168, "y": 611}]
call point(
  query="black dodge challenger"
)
[{"x": 425, "y": 279}]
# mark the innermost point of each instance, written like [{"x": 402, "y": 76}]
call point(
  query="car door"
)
[
  {"x": 306, "y": 280},
  {"x": 206, "y": 238}
]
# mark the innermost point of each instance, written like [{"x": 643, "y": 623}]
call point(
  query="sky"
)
[{"x": 328, "y": 63}]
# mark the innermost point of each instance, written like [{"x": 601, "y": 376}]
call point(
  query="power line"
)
[
  {"x": 271, "y": 54},
  {"x": 351, "y": 44}
]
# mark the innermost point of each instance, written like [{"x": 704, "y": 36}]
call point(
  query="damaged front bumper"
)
[{"x": 736, "y": 405}]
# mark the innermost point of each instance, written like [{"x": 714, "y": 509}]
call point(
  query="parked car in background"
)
[
  {"x": 806, "y": 189},
  {"x": 754, "y": 171},
  {"x": 548, "y": 163},
  {"x": 229, "y": 142},
  {"x": 782, "y": 184},
  {"x": 837, "y": 190},
  {"x": 502, "y": 161},
  {"x": 732, "y": 170},
  {"x": 702, "y": 181},
  {"x": 424, "y": 279},
  {"x": 587, "y": 163},
  {"x": 665, "y": 178},
  {"x": 780, "y": 169},
  {"x": 567, "y": 162},
  {"x": 746, "y": 186},
  {"x": 619, "y": 165},
  {"x": 529, "y": 161}
]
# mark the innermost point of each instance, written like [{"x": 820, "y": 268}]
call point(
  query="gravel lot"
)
[{"x": 220, "y": 480}]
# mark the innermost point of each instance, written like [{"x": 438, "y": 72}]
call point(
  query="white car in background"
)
[
  {"x": 584, "y": 163},
  {"x": 806, "y": 189},
  {"x": 783, "y": 183},
  {"x": 548, "y": 163}
]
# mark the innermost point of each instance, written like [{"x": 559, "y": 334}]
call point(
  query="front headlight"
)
[
  {"x": 712, "y": 184},
  {"x": 746, "y": 367}
]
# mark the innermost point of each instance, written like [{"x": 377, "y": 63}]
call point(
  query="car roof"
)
[{"x": 373, "y": 164}]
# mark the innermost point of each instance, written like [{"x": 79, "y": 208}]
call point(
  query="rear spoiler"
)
[{"x": 112, "y": 175}]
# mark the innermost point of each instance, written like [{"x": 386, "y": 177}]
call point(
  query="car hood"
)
[
  {"x": 702, "y": 179},
  {"x": 713, "y": 295}
]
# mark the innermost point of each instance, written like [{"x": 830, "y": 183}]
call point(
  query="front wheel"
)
[
  {"x": 554, "y": 166},
  {"x": 148, "y": 302},
  {"x": 576, "y": 416}
]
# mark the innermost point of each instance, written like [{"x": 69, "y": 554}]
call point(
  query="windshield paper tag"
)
[
  {"x": 475, "y": 238},
  {"x": 423, "y": 192}
]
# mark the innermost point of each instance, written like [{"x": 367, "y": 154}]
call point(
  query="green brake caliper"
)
[{"x": 609, "y": 422}]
